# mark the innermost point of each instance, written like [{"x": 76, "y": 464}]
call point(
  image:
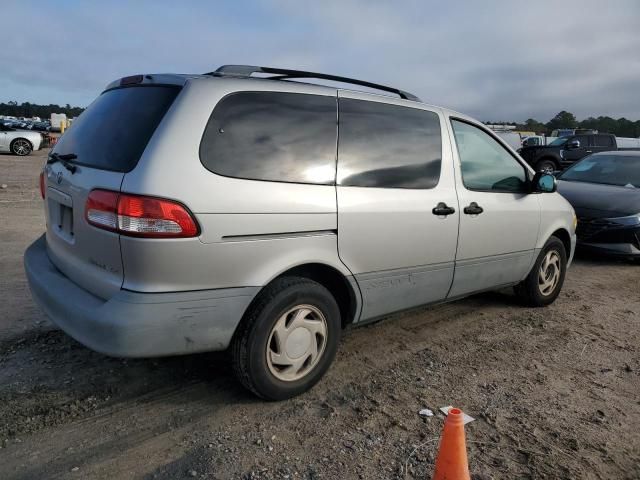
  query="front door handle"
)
[
  {"x": 443, "y": 210},
  {"x": 473, "y": 209}
]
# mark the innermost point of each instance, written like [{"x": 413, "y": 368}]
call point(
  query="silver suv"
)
[{"x": 189, "y": 213}]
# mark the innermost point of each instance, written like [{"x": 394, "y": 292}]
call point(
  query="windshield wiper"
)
[{"x": 64, "y": 160}]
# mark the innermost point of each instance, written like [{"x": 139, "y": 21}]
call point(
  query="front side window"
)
[
  {"x": 558, "y": 142},
  {"x": 583, "y": 139},
  {"x": 273, "y": 136},
  {"x": 388, "y": 146},
  {"x": 485, "y": 164}
]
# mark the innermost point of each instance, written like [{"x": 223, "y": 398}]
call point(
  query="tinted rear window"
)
[
  {"x": 114, "y": 130},
  {"x": 274, "y": 136},
  {"x": 388, "y": 146}
]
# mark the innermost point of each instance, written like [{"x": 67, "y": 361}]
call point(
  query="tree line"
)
[
  {"x": 29, "y": 110},
  {"x": 620, "y": 127}
]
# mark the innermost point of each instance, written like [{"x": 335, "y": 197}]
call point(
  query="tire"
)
[
  {"x": 21, "y": 147},
  {"x": 547, "y": 166},
  {"x": 536, "y": 290},
  {"x": 267, "y": 339}
]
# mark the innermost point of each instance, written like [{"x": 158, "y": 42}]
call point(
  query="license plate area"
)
[{"x": 61, "y": 214}]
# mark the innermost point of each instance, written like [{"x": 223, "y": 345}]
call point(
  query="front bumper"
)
[
  {"x": 134, "y": 324},
  {"x": 607, "y": 237}
]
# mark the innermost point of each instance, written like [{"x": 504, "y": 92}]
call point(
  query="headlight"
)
[
  {"x": 575, "y": 222},
  {"x": 631, "y": 220}
]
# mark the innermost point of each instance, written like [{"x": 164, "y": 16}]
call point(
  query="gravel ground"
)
[{"x": 555, "y": 392}]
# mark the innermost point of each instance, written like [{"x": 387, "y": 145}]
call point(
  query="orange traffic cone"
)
[{"x": 451, "y": 463}]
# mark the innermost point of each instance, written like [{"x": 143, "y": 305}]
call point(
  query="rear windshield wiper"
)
[{"x": 64, "y": 160}]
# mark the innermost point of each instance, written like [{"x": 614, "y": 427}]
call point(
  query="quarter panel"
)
[
  {"x": 228, "y": 227},
  {"x": 189, "y": 264}
]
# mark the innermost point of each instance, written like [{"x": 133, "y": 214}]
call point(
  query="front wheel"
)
[
  {"x": 546, "y": 166},
  {"x": 21, "y": 147},
  {"x": 287, "y": 339},
  {"x": 544, "y": 282}
]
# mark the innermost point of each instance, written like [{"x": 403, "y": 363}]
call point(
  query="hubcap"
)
[
  {"x": 21, "y": 147},
  {"x": 549, "y": 274},
  {"x": 296, "y": 342}
]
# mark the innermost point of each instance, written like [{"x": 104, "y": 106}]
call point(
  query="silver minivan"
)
[{"x": 261, "y": 214}]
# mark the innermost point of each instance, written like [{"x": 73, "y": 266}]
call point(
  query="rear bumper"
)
[{"x": 134, "y": 324}]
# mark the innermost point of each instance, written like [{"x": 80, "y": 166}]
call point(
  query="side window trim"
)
[{"x": 503, "y": 144}]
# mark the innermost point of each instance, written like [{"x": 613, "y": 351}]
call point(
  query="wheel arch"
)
[
  {"x": 548, "y": 158},
  {"x": 344, "y": 289},
  {"x": 565, "y": 238}
]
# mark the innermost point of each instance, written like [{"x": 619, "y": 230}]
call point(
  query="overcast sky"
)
[{"x": 495, "y": 60}]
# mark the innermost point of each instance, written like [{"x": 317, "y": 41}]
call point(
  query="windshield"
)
[
  {"x": 114, "y": 130},
  {"x": 620, "y": 170},
  {"x": 559, "y": 142}
]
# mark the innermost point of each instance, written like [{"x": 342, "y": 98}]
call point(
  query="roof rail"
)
[{"x": 283, "y": 74}]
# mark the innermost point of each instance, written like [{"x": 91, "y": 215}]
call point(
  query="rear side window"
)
[
  {"x": 114, "y": 130},
  {"x": 388, "y": 146},
  {"x": 604, "y": 141},
  {"x": 274, "y": 136}
]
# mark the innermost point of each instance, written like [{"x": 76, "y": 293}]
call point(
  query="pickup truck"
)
[{"x": 565, "y": 151}]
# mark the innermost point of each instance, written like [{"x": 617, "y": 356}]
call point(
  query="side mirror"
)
[
  {"x": 573, "y": 144},
  {"x": 544, "y": 183}
]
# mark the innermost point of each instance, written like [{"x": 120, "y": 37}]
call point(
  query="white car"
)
[{"x": 19, "y": 142}]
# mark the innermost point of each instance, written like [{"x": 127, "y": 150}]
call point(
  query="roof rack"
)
[{"x": 283, "y": 74}]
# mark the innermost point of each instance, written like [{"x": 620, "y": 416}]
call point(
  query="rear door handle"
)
[
  {"x": 473, "y": 209},
  {"x": 443, "y": 210}
]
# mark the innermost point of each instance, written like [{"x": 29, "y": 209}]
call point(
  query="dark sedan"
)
[{"x": 604, "y": 189}]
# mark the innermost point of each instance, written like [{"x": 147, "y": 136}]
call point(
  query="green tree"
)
[{"x": 563, "y": 119}]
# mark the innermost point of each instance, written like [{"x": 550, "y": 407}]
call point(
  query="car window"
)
[
  {"x": 620, "y": 170},
  {"x": 114, "y": 130},
  {"x": 583, "y": 139},
  {"x": 273, "y": 136},
  {"x": 604, "y": 141},
  {"x": 485, "y": 164},
  {"x": 388, "y": 146}
]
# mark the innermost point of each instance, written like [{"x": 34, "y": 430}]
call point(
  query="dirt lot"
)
[{"x": 555, "y": 392}]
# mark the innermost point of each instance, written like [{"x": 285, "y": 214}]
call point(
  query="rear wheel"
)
[
  {"x": 21, "y": 147},
  {"x": 287, "y": 339},
  {"x": 544, "y": 282},
  {"x": 546, "y": 166}
]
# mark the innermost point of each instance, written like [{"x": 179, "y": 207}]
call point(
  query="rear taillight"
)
[
  {"x": 139, "y": 216},
  {"x": 42, "y": 184}
]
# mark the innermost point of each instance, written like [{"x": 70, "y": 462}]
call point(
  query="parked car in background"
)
[
  {"x": 537, "y": 140},
  {"x": 19, "y": 142},
  {"x": 267, "y": 240},
  {"x": 604, "y": 189},
  {"x": 565, "y": 151},
  {"x": 511, "y": 138}
]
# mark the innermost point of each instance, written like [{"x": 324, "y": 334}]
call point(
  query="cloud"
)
[{"x": 494, "y": 60}]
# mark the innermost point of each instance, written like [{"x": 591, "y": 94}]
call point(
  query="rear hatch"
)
[{"x": 107, "y": 140}]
